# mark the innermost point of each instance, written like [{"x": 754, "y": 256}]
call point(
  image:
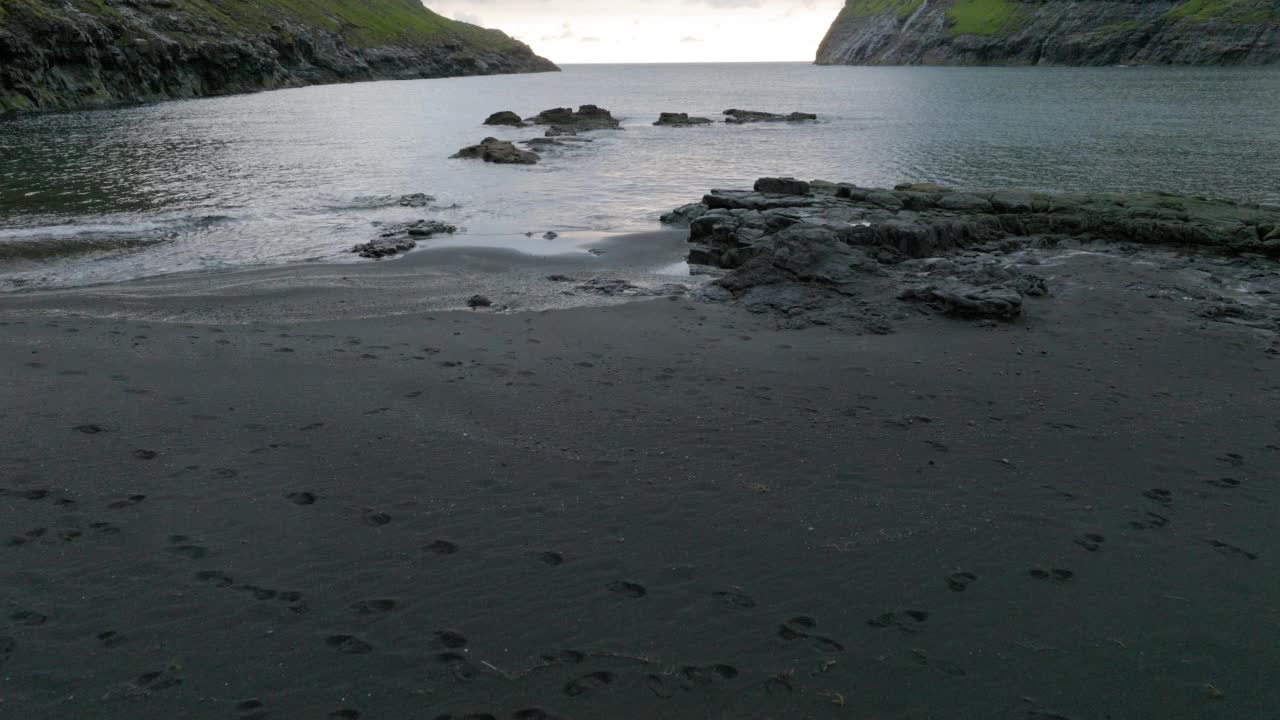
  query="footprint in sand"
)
[
  {"x": 376, "y": 519},
  {"x": 799, "y": 628},
  {"x": 959, "y": 582},
  {"x": 457, "y": 666},
  {"x": 587, "y": 683},
  {"x": 30, "y": 618},
  {"x": 181, "y": 545},
  {"x": 534, "y": 714},
  {"x": 1091, "y": 541},
  {"x": 908, "y": 621},
  {"x": 301, "y": 498},
  {"x": 689, "y": 678},
  {"x": 567, "y": 657},
  {"x": 217, "y": 578},
  {"x": 110, "y": 638},
  {"x": 374, "y": 607},
  {"x": 156, "y": 681},
  {"x": 1224, "y": 483},
  {"x": 126, "y": 502},
  {"x": 442, "y": 547},
  {"x": 252, "y": 709},
  {"x": 1149, "y": 521},
  {"x": 1056, "y": 574},
  {"x": 1232, "y": 459},
  {"x": 920, "y": 657},
  {"x": 345, "y": 714},
  {"x": 629, "y": 589},
  {"x": 90, "y": 429},
  {"x": 1160, "y": 495},
  {"x": 143, "y": 454},
  {"x": 348, "y": 645},
  {"x": 7, "y": 646},
  {"x": 734, "y": 598},
  {"x": 551, "y": 558},
  {"x": 451, "y": 639},
  {"x": 33, "y": 495}
]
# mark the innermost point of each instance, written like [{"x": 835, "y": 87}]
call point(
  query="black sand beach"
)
[{"x": 216, "y": 505}]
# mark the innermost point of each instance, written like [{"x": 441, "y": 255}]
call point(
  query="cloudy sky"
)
[{"x": 595, "y": 31}]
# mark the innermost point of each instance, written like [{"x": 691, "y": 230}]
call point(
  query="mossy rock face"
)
[
  {"x": 1054, "y": 32},
  {"x": 137, "y": 51}
]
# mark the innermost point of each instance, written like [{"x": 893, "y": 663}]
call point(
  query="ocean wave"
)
[
  {"x": 45, "y": 242},
  {"x": 51, "y": 248}
]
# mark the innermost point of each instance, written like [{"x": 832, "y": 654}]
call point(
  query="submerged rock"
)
[
  {"x": 415, "y": 200},
  {"x": 505, "y": 117},
  {"x": 479, "y": 301},
  {"x": 741, "y": 117},
  {"x": 680, "y": 120},
  {"x": 566, "y": 121},
  {"x": 493, "y": 150}
]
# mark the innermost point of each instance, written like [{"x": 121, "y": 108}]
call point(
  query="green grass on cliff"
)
[
  {"x": 868, "y": 8},
  {"x": 1235, "y": 11},
  {"x": 981, "y": 17},
  {"x": 363, "y": 23}
]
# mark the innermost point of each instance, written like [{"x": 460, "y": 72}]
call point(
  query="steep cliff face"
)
[
  {"x": 62, "y": 54},
  {"x": 1054, "y": 32}
]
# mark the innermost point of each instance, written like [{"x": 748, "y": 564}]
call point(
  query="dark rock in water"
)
[
  {"x": 502, "y": 152},
  {"x": 479, "y": 301},
  {"x": 560, "y": 278},
  {"x": 401, "y": 238},
  {"x": 506, "y": 117},
  {"x": 57, "y": 55},
  {"x": 416, "y": 200},
  {"x": 741, "y": 117},
  {"x": 384, "y": 247},
  {"x": 782, "y": 186},
  {"x": 588, "y": 117},
  {"x": 684, "y": 214},
  {"x": 681, "y": 120},
  {"x": 558, "y": 131},
  {"x": 550, "y": 235},
  {"x": 554, "y": 142},
  {"x": 809, "y": 255}
]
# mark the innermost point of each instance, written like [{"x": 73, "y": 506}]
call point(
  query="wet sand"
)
[{"x": 214, "y": 506}]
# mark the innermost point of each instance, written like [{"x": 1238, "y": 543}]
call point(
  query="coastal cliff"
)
[
  {"x": 67, "y": 54},
  {"x": 1054, "y": 32}
]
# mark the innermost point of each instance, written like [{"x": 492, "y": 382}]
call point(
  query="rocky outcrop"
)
[
  {"x": 1053, "y": 32},
  {"x": 817, "y": 251},
  {"x": 65, "y": 54},
  {"x": 564, "y": 121},
  {"x": 402, "y": 238},
  {"x": 741, "y": 117},
  {"x": 680, "y": 120},
  {"x": 505, "y": 117},
  {"x": 502, "y": 152}
]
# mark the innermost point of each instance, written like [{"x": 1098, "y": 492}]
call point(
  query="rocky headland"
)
[
  {"x": 91, "y": 53},
  {"x": 1053, "y": 32},
  {"x": 828, "y": 253}
]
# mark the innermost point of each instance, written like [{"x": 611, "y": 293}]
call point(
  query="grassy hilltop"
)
[
  {"x": 75, "y": 53},
  {"x": 1087, "y": 32}
]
